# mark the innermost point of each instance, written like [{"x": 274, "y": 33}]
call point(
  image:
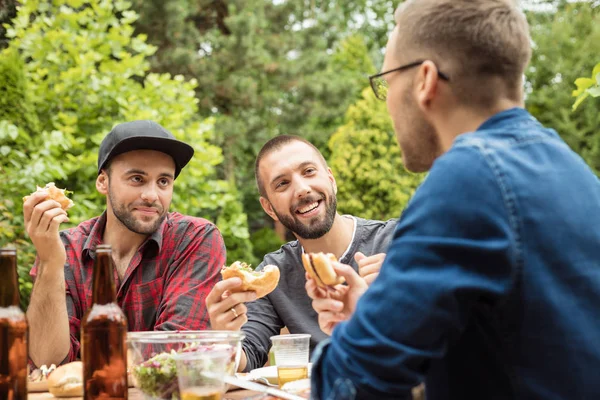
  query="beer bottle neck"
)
[
  {"x": 103, "y": 289},
  {"x": 9, "y": 284}
]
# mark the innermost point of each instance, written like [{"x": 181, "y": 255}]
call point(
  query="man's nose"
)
[
  {"x": 150, "y": 194},
  {"x": 302, "y": 188}
]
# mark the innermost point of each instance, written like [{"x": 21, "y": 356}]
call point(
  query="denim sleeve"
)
[{"x": 454, "y": 247}]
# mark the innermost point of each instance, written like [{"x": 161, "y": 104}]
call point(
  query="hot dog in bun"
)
[
  {"x": 67, "y": 380},
  {"x": 55, "y": 194},
  {"x": 319, "y": 267},
  {"x": 262, "y": 282}
]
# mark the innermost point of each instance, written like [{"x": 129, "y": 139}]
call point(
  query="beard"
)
[
  {"x": 127, "y": 218},
  {"x": 315, "y": 228},
  {"x": 416, "y": 136}
]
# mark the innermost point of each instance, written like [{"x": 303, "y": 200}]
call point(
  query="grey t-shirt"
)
[{"x": 289, "y": 305}]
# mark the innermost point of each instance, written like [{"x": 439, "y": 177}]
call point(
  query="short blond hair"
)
[{"x": 483, "y": 45}]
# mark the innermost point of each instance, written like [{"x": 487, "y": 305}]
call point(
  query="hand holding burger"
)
[
  {"x": 240, "y": 284},
  {"x": 43, "y": 211},
  {"x": 51, "y": 192},
  {"x": 319, "y": 267},
  {"x": 336, "y": 303},
  {"x": 262, "y": 282}
]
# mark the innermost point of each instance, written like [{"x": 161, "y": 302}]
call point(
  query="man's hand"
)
[
  {"x": 336, "y": 304},
  {"x": 42, "y": 223},
  {"x": 368, "y": 267},
  {"x": 227, "y": 310}
]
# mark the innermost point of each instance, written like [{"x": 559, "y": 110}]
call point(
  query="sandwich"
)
[
  {"x": 56, "y": 194},
  {"x": 319, "y": 267},
  {"x": 67, "y": 380},
  {"x": 262, "y": 282}
]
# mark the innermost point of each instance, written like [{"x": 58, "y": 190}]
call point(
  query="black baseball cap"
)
[{"x": 143, "y": 135}]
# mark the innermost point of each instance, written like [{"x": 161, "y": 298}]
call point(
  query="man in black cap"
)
[{"x": 166, "y": 262}]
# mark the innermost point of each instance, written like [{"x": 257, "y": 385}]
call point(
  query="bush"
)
[
  {"x": 85, "y": 72},
  {"x": 366, "y": 161},
  {"x": 265, "y": 240}
]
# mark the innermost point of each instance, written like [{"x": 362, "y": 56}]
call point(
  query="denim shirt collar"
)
[{"x": 510, "y": 116}]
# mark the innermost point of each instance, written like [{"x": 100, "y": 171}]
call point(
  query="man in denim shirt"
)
[{"x": 491, "y": 285}]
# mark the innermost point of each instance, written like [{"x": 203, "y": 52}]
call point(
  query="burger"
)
[
  {"x": 56, "y": 194},
  {"x": 320, "y": 268},
  {"x": 67, "y": 380},
  {"x": 262, "y": 282}
]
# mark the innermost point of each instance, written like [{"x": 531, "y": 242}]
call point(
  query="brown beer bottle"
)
[
  {"x": 103, "y": 334},
  {"x": 13, "y": 331}
]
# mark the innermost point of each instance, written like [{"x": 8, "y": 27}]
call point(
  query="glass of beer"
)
[
  {"x": 200, "y": 374},
  {"x": 291, "y": 357}
]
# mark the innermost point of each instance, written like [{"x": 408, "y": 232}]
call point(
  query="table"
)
[{"x": 135, "y": 394}]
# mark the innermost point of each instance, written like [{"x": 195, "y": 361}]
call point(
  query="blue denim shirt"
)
[{"x": 491, "y": 285}]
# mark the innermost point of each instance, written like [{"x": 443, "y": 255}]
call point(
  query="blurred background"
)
[{"x": 226, "y": 76}]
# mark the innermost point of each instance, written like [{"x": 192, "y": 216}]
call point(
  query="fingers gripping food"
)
[
  {"x": 262, "y": 282},
  {"x": 56, "y": 194},
  {"x": 67, "y": 380},
  {"x": 319, "y": 267}
]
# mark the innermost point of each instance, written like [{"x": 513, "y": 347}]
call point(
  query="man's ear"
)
[
  {"x": 332, "y": 179},
  {"x": 427, "y": 81},
  {"x": 266, "y": 205},
  {"x": 102, "y": 183}
]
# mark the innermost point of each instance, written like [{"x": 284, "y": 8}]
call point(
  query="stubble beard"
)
[
  {"x": 127, "y": 218},
  {"x": 315, "y": 228},
  {"x": 419, "y": 142}
]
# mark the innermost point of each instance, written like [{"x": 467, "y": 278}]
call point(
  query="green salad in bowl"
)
[{"x": 151, "y": 357}]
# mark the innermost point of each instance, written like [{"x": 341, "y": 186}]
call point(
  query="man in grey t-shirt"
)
[{"x": 299, "y": 190}]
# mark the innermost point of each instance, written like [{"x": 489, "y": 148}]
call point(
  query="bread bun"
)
[
  {"x": 262, "y": 282},
  {"x": 307, "y": 264},
  {"x": 319, "y": 267},
  {"x": 67, "y": 380},
  {"x": 55, "y": 194}
]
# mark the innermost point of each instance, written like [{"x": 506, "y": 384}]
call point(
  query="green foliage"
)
[
  {"x": 367, "y": 163},
  {"x": 25, "y": 161},
  {"x": 265, "y": 241},
  {"x": 27, "y": 157},
  {"x": 232, "y": 221},
  {"x": 15, "y": 100},
  {"x": 86, "y": 71},
  {"x": 587, "y": 87},
  {"x": 563, "y": 43},
  {"x": 8, "y": 10},
  {"x": 267, "y": 68}
]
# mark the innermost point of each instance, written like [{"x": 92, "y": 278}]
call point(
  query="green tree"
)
[
  {"x": 563, "y": 41},
  {"x": 267, "y": 67},
  {"x": 367, "y": 163},
  {"x": 8, "y": 10},
  {"x": 85, "y": 72}
]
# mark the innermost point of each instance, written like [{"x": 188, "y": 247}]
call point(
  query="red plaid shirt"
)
[{"x": 166, "y": 283}]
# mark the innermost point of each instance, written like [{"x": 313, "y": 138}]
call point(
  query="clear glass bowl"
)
[{"x": 151, "y": 357}]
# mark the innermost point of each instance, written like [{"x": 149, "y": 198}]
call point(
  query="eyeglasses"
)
[{"x": 380, "y": 85}]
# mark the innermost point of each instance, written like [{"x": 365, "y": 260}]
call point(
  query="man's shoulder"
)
[
  {"x": 285, "y": 256},
  {"x": 375, "y": 224},
  {"x": 83, "y": 229},
  {"x": 377, "y": 227},
  {"x": 178, "y": 220},
  {"x": 183, "y": 230},
  {"x": 374, "y": 234}
]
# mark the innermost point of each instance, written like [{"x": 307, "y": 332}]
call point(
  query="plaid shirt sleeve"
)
[
  {"x": 74, "y": 326},
  {"x": 74, "y": 323},
  {"x": 191, "y": 277}
]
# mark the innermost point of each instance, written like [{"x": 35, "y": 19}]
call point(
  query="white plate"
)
[{"x": 270, "y": 373}]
